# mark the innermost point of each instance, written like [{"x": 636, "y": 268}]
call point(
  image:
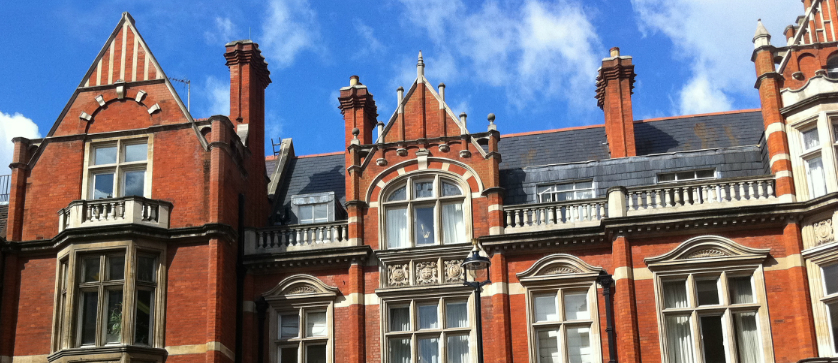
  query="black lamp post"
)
[{"x": 475, "y": 262}]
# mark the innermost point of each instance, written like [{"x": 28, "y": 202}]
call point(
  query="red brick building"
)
[{"x": 136, "y": 232}]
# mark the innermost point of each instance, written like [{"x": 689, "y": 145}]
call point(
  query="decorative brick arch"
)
[
  {"x": 442, "y": 165},
  {"x": 120, "y": 93}
]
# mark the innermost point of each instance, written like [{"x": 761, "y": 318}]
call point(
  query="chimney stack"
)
[
  {"x": 615, "y": 82},
  {"x": 249, "y": 76},
  {"x": 359, "y": 111}
]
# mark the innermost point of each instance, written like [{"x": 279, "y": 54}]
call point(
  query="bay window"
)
[
  {"x": 118, "y": 168},
  {"x": 425, "y": 210},
  {"x": 822, "y": 267},
  {"x": 813, "y": 162},
  {"x": 428, "y": 331}
]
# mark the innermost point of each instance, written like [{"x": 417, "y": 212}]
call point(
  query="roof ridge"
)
[
  {"x": 698, "y": 115},
  {"x": 318, "y": 155}
]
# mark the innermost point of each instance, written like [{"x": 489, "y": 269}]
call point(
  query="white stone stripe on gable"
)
[
  {"x": 124, "y": 50},
  {"x": 110, "y": 64},
  {"x": 134, "y": 58}
]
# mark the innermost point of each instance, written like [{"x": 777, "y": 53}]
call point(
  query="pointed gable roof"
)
[{"x": 125, "y": 58}]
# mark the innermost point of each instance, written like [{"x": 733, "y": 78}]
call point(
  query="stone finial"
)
[
  {"x": 400, "y": 95},
  {"x": 761, "y": 37},
  {"x": 463, "y": 117},
  {"x": 491, "y": 119},
  {"x": 355, "y": 133},
  {"x": 420, "y": 66},
  {"x": 441, "y": 88}
]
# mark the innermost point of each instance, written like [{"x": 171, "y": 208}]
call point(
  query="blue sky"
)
[{"x": 532, "y": 63}]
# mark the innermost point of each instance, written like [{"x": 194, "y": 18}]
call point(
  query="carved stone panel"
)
[
  {"x": 707, "y": 252},
  {"x": 823, "y": 231},
  {"x": 301, "y": 289},
  {"x": 398, "y": 275},
  {"x": 454, "y": 272},
  {"x": 427, "y": 273},
  {"x": 559, "y": 270}
]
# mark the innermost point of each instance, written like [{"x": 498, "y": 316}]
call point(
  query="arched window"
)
[
  {"x": 832, "y": 66},
  {"x": 424, "y": 210}
]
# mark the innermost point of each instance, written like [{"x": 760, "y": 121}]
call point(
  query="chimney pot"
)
[
  {"x": 354, "y": 80},
  {"x": 615, "y": 52}
]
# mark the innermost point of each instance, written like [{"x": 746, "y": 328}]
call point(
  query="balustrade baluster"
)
[
  {"x": 647, "y": 199},
  {"x": 761, "y": 189},
  {"x": 722, "y": 192},
  {"x": 770, "y": 188},
  {"x": 551, "y": 215},
  {"x": 667, "y": 198},
  {"x": 751, "y": 191},
  {"x": 508, "y": 219}
]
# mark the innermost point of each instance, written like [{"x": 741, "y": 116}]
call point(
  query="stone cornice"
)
[
  {"x": 809, "y": 102},
  {"x": 772, "y": 75},
  {"x": 119, "y": 349},
  {"x": 341, "y": 256}
]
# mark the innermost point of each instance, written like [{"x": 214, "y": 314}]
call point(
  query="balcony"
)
[
  {"x": 647, "y": 200},
  {"x": 298, "y": 237},
  {"x": 114, "y": 211}
]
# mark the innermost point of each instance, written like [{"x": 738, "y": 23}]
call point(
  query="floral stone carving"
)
[
  {"x": 427, "y": 273},
  {"x": 398, "y": 275},
  {"x": 823, "y": 231},
  {"x": 454, "y": 271},
  {"x": 558, "y": 270},
  {"x": 301, "y": 289},
  {"x": 707, "y": 252}
]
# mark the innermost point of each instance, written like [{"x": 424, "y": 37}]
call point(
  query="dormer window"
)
[
  {"x": 688, "y": 175},
  {"x": 314, "y": 208},
  {"x": 566, "y": 191},
  {"x": 118, "y": 168},
  {"x": 424, "y": 210}
]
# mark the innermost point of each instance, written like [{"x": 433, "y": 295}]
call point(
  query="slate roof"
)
[
  {"x": 306, "y": 175},
  {"x": 730, "y": 143}
]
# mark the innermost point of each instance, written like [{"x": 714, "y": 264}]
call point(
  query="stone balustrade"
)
[
  {"x": 296, "y": 237},
  {"x": 555, "y": 215},
  {"x": 700, "y": 195},
  {"x": 113, "y": 211}
]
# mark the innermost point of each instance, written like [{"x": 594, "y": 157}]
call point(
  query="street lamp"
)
[{"x": 475, "y": 262}]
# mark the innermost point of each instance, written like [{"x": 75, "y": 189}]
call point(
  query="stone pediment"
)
[
  {"x": 559, "y": 265},
  {"x": 300, "y": 287},
  {"x": 703, "y": 250}
]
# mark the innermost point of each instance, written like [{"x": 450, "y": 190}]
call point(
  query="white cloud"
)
[
  {"x": 370, "y": 44},
  {"x": 713, "y": 37},
  {"x": 223, "y": 32},
  {"x": 536, "y": 50},
  {"x": 291, "y": 27},
  {"x": 11, "y": 126},
  {"x": 217, "y": 94}
]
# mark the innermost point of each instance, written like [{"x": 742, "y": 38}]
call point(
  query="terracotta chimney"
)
[
  {"x": 359, "y": 111},
  {"x": 615, "y": 82}
]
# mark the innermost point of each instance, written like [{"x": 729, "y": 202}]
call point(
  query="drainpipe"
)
[
  {"x": 605, "y": 280},
  {"x": 261, "y": 309}
]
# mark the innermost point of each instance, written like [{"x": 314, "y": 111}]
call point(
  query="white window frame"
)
[
  {"x": 817, "y": 258},
  {"x": 413, "y": 297},
  {"x": 695, "y": 176},
  {"x": 120, "y": 167},
  {"x": 68, "y": 287},
  {"x": 559, "y": 273},
  {"x": 710, "y": 256},
  {"x": 437, "y": 200},
  {"x": 315, "y": 200},
  {"x": 551, "y": 190},
  {"x": 303, "y": 294},
  {"x": 822, "y": 121}
]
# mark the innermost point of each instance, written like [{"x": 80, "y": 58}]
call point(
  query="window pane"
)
[
  {"x": 146, "y": 268},
  {"x": 548, "y": 346},
  {"x": 400, "y": 319},
  {"x": 712, "y": 339},
  {"x": 675, "y": 294},
  {"x": 576, "y": 307},
  {"x": 740, "y": 290},
  {"x": 830, "y": 279},
  {"x": 142, "y": 327},
  {"x": 424, "y": 225},
  {"x": 579, "y": 345},
  {"x": 114, "y": 317},
  {"x": 288, "y": 355},
  {"x": 400, "y": 350},
  {"x": 103, "y": 186},
  {"x": 832, "y": 309},
  {"x": 817, "y": 182},
  {"x": 583, "y": 194},
  {"x": 560, "y": 197},
  {"x": 429, "y": 350},
  {"x": 136, "y": 152},
  {"x": 705, "y": 173},
  {"x": 685, "y": 175},
  {"x": 457, "y": 348},
  {"x": 428, "y": 318},
  {"x": 306, "y": 214},
  {"x": 316, "y": 324},
  {"x": 116, "y": 267},
  {"x": 423, "y": 189},
  {"x": 89, "y": 303},
  {"x": 316, "y": 353},
  {"x": 397, "y": 236},
  {"x": 747, "y": 341},
  {"x": 584, "y": 185},
  {"x": 453, "y": 227},
  {"x": 810, "y": 139},
  {"x": 90, "y": 269},
  {"x": 456, "y": 315},
  {"x": 134, "y": 183},
  {"x": 545, "y": 308},
  {"x": 104, "y": 155},
  {"x": 566, "y": 186},
  {"x": 679, "y": 341},
  {"x": 321, "y": 213},
  {"x": 450, "y": 190},
  {"x": 708, "y": 292},
  {"x": 666, "y": 177},
  {"x": 398, "y": 194},
  {"x": 289, "y": 326}
]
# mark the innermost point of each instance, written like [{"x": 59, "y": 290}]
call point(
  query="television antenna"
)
[{"x": 188, "y": 84}]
